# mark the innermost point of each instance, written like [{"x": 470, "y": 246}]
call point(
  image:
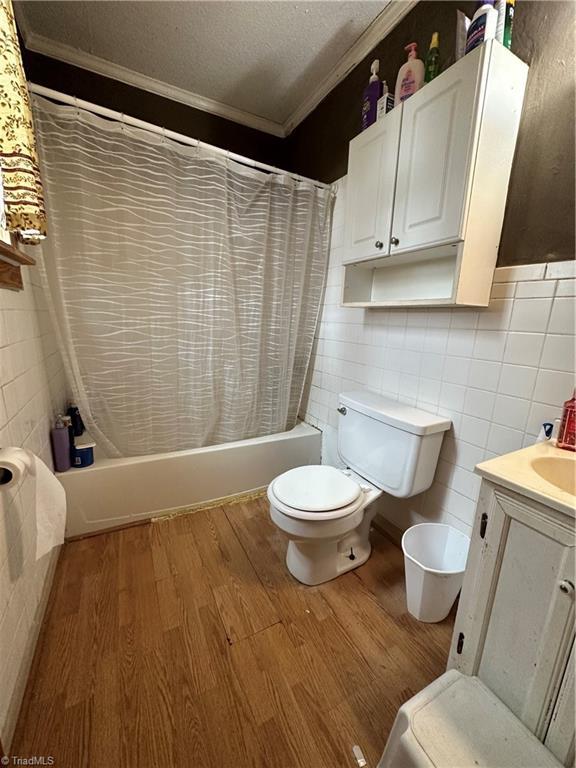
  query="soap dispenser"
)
[{"x": 410, "y": 75}]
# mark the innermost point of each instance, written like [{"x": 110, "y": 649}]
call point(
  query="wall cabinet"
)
[
  {"x": 515, "y": 622},
  {"x": 427, "y": 187}
]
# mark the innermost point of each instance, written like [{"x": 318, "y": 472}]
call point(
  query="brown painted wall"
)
[
  {"x": 539, "y": 220},
  {"x": 113, "y": 94}
]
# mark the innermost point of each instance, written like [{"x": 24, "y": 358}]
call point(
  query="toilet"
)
[{"x": 326, "y": 512}]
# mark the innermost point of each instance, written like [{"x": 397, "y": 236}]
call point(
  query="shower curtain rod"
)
[{"x": 111, "y": 114}]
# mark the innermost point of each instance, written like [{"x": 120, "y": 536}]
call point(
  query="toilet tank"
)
[{"x": 389, "y": 443}]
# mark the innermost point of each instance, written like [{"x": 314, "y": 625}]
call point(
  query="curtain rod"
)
[{"x": 112, "y": 114}]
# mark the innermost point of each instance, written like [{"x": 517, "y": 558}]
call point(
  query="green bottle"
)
[{"x": 432, "y": 64}]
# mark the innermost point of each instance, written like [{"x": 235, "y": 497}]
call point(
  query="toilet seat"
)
[{"x": 316, "y": 492}]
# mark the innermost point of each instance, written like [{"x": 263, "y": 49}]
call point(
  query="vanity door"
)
[{"x": 515, "y": 624}]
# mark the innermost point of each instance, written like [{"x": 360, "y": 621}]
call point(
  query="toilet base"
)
[{"x": 314, "y": 562}]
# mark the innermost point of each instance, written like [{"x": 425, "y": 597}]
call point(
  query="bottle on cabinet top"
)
[
  {"x": 483, "y": 25},
  {"x": 505, "y": 10},
  {"x": 432, "y": 66},
  {"x": 410, "y": 75},
  {"x": 372, "y": 93}
]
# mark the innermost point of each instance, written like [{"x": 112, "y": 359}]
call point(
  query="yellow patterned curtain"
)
[{"x": 23, "y": 197}]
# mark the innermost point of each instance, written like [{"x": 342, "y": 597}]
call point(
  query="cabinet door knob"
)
[
  {"x": 379, "y": 244},
  {"x": 566, "y": 586},
  {"x": 394, "y": 241},
  {"x": 342, "y": 410}
]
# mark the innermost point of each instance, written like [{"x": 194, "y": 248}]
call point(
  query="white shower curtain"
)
[{"x": 185, "y": 288}]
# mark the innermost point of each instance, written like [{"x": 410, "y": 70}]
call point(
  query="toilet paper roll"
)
[
  {"x": 14, "y": 464},
  {"x": 49, "y": 497}
]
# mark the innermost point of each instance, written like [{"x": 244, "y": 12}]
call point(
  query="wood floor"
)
[{"x": 187, "y": 643}]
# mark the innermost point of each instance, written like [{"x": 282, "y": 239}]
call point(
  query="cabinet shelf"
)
[
  {"x": 12, "y": 255},
  {"x": 11, "y": 259},
  {"x": 427, "y": 187},
  {"x": 426, "y": 277}
]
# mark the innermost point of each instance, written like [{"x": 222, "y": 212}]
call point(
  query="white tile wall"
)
[
  {"x": 497, "y": 373},
  {"x": 32, "y": 389}
]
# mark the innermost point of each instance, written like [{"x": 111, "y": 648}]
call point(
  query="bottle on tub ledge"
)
[
  {"x": 60, "y": 441},
  {"x": 82, "y": 452},
  {"x": 77, "y": 424},
  {"x": 567, "y": 432}
]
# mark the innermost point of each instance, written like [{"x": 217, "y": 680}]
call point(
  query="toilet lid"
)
[{"x": 316, "y": 488}]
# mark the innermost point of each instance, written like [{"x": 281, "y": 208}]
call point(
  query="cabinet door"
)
[
  {"x": 436, "y": 157},
  {"x": 515, "y": 623},
  {"x": 560, "y": 735},
  {"x": 370, "y": 188}
]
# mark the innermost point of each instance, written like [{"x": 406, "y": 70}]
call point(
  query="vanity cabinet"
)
[
  {"x": 515, "y": 623},
  {"x": 427, "y": 187}
]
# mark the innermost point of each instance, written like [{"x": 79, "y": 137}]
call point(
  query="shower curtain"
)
[{"x": 185, "y": 288}]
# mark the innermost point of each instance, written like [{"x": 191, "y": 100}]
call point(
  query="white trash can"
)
[{"x": 434, "y": 560}]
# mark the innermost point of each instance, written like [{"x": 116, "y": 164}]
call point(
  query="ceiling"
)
[{"x": 260, "y": 63}]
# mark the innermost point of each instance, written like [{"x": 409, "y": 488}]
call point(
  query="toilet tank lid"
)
[{"x": 395, "y": 413}]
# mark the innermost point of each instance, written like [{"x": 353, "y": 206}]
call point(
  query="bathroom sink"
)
[
  {"x": 542, "y": 472},
  {"x": 558, "y": 471}
]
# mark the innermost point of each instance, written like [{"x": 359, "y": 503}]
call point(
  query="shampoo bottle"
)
[
  {"x": 372, "y": 93},
  {"x": 410, "y": 75},
  {"x": 60, "y": 439},
  {"x": 483, "y": 25}
]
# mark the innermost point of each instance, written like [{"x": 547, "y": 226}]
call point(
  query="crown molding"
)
[
  {"x": 384, "y": 23},
  {"x": 70, "y": 55}
]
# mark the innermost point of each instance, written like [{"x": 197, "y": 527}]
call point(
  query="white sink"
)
[
  {"x": 542, "y": 472},
  {"x": 558, "y": 470}
]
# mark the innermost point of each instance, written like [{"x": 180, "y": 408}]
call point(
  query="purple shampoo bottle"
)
[
  {"x": 60, "y": 439},
  {"x": 372, "y": 93}
]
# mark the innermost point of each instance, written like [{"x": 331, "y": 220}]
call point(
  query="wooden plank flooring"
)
[{"x": 187, "y": 643}]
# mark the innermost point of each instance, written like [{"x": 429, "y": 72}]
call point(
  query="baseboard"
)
[
  {"x": 388, "y": 529},
  {"x": 19, "y": 696}
]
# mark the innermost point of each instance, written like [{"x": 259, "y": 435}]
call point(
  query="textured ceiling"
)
[{"x": 260, "y": 57}]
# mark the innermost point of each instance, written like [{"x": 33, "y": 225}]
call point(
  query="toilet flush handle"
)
[{"x": 341, "y": 409}]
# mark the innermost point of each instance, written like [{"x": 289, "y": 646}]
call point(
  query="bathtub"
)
[{"x": 119, "y": 492}]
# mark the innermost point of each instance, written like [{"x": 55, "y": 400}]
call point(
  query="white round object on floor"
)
[{"x": 316, "y": 488}]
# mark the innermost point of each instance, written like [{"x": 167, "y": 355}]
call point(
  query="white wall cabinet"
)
[
  {"x": 515, "y": 622},
  {"x": 425, "y": 212}
]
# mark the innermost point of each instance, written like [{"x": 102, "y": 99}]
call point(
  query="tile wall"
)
[
  {"x": 32, "y": 390},
  {"x": 498, "y": 373}
]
